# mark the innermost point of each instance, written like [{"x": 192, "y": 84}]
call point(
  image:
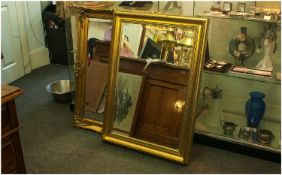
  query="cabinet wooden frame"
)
[
  {"x": 80, "y": 67},
  {"x": 181, "y": 153}
]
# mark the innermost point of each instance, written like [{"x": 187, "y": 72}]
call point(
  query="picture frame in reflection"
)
[
  {"x": 151, "y": 50},
  {"x": 227, "y": 6},
  {"x": 128, "y": 88},
  {"x": 241, "y": 7}
]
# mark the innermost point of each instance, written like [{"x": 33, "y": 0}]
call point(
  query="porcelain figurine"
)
[{"x": 266, "y": 62}]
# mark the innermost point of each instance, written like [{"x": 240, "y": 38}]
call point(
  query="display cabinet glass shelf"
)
[
  {"x": 247, "y": 76},
  {"x": 203, "y": 128}
]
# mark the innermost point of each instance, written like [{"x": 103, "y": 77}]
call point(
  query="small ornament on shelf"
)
[
  {"x": 215, "y": 106},
  {"x": 269, "y": 37},
  {"x": 218, "y": 66},
  {"x": 242, "y": 47}
]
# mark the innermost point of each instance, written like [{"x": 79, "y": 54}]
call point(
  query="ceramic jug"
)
[
  {"x": 228, "y": 127},
  {"x": 215, "y": 106}
]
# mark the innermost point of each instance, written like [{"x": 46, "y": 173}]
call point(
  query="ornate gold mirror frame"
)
[
  {"x": 81, "y": 65},
  {"x": 180, "y": 153}
]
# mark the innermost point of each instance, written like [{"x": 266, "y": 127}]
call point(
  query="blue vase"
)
[{"x": 255, "y": 108}]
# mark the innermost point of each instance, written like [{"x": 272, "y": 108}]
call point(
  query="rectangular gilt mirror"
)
[
  {"x": 153, "y": 83},
  {"x": 91, "y": 67}
]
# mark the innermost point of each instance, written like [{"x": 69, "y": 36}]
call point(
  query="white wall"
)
[{"x": 97, "y": 28}]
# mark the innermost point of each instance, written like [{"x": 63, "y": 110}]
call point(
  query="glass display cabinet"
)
[{"x": 227, "y": 83}]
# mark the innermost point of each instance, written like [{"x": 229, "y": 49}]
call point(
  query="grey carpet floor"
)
[{"x": 51, "y": 145}]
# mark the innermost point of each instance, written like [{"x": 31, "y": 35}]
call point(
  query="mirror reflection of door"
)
[
  {"x": 98, "y": 50},
  {"x": 150, "y": 99}
]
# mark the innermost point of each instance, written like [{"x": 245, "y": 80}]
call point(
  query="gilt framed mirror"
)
[
  {"x": 91, "y": 67},
  {"x": 153, "y": 83}
]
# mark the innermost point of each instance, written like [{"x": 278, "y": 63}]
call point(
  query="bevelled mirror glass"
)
[
  {"x": 94, "y": 42},
  {"x": 153, "y": 82}
]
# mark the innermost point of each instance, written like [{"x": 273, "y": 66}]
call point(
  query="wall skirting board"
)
[{"x": 39, "y": 57}]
